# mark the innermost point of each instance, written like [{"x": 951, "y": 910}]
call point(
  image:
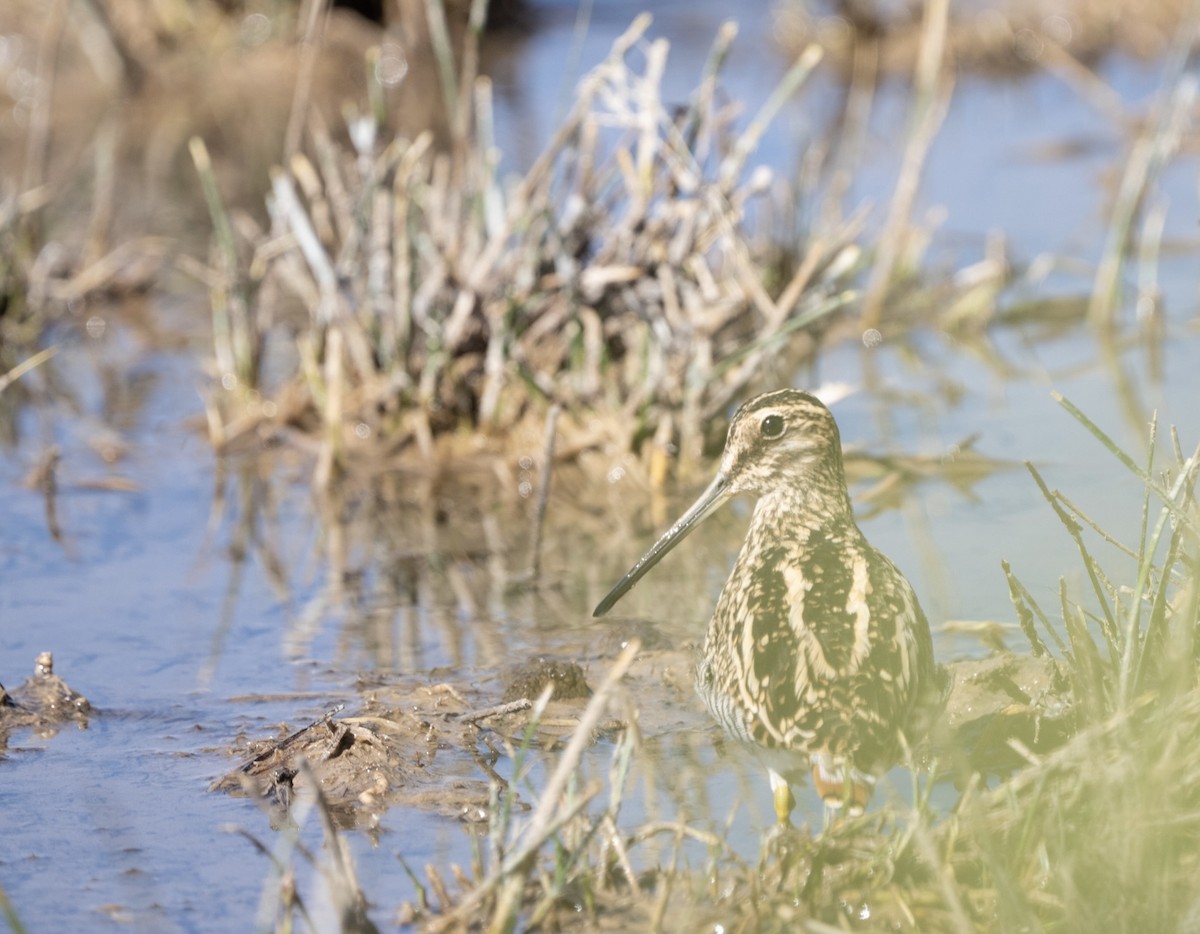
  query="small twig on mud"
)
[
  {"x": 539, "y": 518},
  {"x": 291, "y": 739},
  {"x": 654, "y": 828},
  {"x": 497, "y": 710}
]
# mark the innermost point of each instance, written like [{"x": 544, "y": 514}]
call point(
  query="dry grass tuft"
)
[{"x": 620, "y": 273}]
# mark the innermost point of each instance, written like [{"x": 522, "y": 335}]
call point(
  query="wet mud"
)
[{"x": 436, "y": 746}]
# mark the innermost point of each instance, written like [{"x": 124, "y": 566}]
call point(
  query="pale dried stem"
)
[
  {"x": 932, "y": 98},
  {"x": 314, "y": 15}
]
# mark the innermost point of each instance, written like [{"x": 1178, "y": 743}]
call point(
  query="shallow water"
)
[{"x": 184, "y": 631}]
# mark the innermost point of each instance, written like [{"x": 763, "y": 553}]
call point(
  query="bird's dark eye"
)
[{"x": 772, "y": 427}]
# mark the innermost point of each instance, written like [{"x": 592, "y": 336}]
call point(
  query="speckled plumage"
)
[{"x": 817, "y": 645}]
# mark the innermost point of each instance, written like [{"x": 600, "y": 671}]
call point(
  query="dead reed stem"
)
[
  {"x": 932, "y": 84},
  {"x": 547, "y": 469}
]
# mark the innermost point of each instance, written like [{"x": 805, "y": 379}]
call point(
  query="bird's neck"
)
[{"x": 811, "y": 507}]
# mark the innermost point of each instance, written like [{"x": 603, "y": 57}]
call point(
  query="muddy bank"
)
[{"x": 433, "y": 746}]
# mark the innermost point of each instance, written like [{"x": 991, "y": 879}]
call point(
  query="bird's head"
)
[{"x": 783, "y": 445}]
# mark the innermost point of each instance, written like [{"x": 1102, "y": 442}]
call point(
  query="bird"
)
[{"x": 818, "y": 654}]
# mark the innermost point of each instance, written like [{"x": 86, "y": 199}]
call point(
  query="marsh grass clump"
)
[
  {"x": 1103, "y": 832},
  {"x": 1136, "y": 642},
  {"x": 410, "y": 291}
]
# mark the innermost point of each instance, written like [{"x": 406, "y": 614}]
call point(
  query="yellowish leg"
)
[{"x": 784, "y": 802}]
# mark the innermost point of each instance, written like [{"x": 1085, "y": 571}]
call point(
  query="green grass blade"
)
[
  {"x": 1098, "y": 433},
  {"x": 1103, "y": 594},
  {"x": 1092, "y": 690},
  {"x": 1027, "y": 608}
]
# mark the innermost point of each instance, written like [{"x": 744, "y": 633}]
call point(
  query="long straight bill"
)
[{"x": 709, "y": 501}]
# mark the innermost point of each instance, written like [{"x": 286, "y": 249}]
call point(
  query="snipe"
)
[{"x": 818, "y": 651}]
